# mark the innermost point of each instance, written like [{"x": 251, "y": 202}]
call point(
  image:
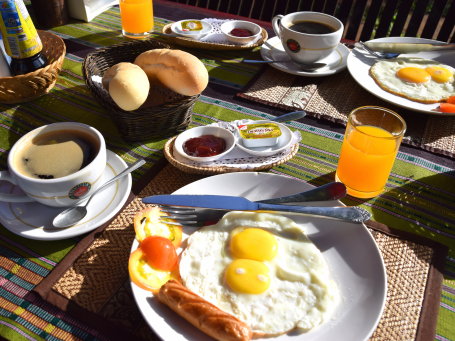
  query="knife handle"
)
[{"x": 348, "y": 213}]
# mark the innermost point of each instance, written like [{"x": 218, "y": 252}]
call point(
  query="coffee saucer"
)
[
  {"x": 273, "y": 49},
  {"x": 34, "y": 220}
]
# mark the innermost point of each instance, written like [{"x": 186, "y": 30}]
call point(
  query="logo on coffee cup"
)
[
  {"x": 79, "y": 190},
  {"x": 293, "y": 45}
]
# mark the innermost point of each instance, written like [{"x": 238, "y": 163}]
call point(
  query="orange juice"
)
[
  {"x": 366, "y": 158},
  {"x": 137, "y": 18}
]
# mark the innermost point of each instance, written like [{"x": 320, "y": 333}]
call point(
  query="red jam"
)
[
  {"x": 205, "y": 145},
  {"x": 241, "y": 32}
]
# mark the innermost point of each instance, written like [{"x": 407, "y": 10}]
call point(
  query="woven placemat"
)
[
  {"x": 333, "y": 98},
  {"x": 92, "y": 282}
]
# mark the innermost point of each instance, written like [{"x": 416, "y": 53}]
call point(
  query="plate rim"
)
[
  {"x": 197, "y": 183},
  {"x": 378, "y": 92}
]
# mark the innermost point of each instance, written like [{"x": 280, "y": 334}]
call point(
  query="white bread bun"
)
[
  {"x": 127, "y": 84},
  {"x": 177, "y": 70}
]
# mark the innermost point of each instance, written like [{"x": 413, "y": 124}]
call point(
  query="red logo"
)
[
  {"x": 79, "y": 191},
  {"x": 293, "y": 45}
]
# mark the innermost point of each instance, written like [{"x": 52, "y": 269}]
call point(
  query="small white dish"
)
[
  {"x": 230, "y": 25},
  {"x": 225, "y": 134},
  {"x": 336, "y": 62},
  {"x": 177, "y": 29},
  {"x": 284, "y": 141},
  {"x": 34, "y": 221}
]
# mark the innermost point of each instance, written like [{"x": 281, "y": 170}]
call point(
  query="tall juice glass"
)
[
  {"x": 373, "y": 136},
  {"x": 137, "y": 18}
]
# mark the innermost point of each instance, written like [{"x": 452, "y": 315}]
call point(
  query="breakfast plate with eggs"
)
[
  {"x": 416, "y": 81},
  {"x": 324, "y": 279}
]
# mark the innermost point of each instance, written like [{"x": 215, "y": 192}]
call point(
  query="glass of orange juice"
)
[
  {"x": 137, "y": 18},
  {"x": 373, "y": 136}
]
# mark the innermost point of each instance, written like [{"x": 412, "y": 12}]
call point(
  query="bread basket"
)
[
  {"x": 170, "y": 117},
  {"x": 24, "y": 88}
]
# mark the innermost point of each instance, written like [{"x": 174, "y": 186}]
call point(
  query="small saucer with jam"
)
[{"x": 204, "y": 144}]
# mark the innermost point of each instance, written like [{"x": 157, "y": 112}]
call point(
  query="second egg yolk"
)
[
  {"x": 413, "y": 75},
  {"x": 439, "y": 74},
  {"x": 248, "y": 276},
  {"x": 253, "y": 243}
]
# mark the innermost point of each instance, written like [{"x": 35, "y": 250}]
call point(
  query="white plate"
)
[
  {"x": 34, "y": 220},
  {"x": 349, "y": 249},
  {"x": 273, "y": 49},
  {"x": 360, "y": 61}
]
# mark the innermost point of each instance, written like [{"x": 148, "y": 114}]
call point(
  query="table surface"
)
[{"x": 420, "y": 198}]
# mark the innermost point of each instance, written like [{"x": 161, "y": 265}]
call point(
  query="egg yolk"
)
[
  {"x": 413, "y": 75},
  {"x": 248, "y": 276},
  {"x": 439, "y": 74},
  {"x": 253, "y": 243}
]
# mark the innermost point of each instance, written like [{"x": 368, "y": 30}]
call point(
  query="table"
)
[{"x": 419, "y": 198}]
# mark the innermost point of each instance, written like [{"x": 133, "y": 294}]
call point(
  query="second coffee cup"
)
[
  {"x": 56, "y": 165},
  {"x": 308, "y": 37}
]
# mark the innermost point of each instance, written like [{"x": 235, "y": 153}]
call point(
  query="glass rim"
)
[{"x": 389, "y": 111}]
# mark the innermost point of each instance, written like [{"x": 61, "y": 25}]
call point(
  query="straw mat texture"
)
[
  {"x": 96, "y": 279},
  {"x": 333, "y": 98}
]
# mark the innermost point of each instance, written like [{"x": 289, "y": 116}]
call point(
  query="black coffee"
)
[
  {"x": 56, "y": 154},
  {"x": 311, "y": 27}
]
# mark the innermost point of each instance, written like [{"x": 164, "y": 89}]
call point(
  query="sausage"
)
[{"x": 202, "y": 314}]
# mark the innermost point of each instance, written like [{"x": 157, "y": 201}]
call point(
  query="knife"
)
[
  {"x": 408, "y": 47},
  {"x": 349, "y": 213}
]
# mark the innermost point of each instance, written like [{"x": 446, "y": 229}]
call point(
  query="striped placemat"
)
[{"x": 333, "y": 98}]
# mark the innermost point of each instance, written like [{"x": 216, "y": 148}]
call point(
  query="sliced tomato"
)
[
  {"x": 447, "y": 107},
  {"x": 145, "y": 276},
  {"x": 451, "y": 100},
  {"x": 147, "y": 223},
  {"x": 160, "y": 253}
]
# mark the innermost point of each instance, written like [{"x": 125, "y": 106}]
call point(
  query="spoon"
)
[
  {"x": 302, "y": 67},
  {"x": 72, "y": 215},
  {"x": 290, "y": 116}
]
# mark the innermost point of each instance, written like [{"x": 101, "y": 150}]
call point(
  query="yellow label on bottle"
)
[{"x": 19, "y": 34}]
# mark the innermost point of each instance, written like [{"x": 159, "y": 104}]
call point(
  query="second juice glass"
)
[
  {"x": 137, "y": 18},
  {"x": 373, "y": 136}
]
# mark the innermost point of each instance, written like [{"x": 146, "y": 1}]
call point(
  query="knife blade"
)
[
  {"x": 408, "y": 47},
  {"x": 235, "y": 203}
]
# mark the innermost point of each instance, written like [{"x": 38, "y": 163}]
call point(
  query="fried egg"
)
[
  {"x": 261, "y": 268},
  {"x": 420, "y": 80}
]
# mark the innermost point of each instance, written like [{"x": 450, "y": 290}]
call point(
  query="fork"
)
[
  {"x": 381, "y": 55},
  {"x": 196, "y": 217}
]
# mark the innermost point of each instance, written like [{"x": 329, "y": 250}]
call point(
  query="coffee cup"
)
[
  {"x": 56, "y": 164},
  {"x": 308, "y": 37}
]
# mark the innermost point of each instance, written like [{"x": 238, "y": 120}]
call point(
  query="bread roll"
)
[
  {"x": 202, "y": 314},
  {"x": 177, "y": 70},
  {"x": 127, "y": 84}
]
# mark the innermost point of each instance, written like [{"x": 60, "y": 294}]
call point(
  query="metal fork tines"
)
[
  {"x": 377, "y": 54},
  {"x": 189, "y": 216}
]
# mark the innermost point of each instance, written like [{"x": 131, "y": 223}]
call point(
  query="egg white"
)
[
  {"x": 301, "y": 295},
  {"x": 384, "y": 73}
]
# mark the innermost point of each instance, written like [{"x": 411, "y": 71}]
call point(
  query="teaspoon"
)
[{"x": 74, "y": 214}]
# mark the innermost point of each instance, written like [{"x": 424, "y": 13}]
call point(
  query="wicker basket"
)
[
  {"x": 149, "y": 122},
  {"x": 24, "y": 88}
]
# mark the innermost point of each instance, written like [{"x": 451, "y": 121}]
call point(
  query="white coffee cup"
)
[
  {"x": 61, "y": 191},
  {"x": 307, "y": 48}
]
